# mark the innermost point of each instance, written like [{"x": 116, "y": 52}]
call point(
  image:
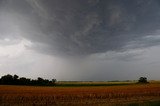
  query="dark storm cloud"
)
[{"x": 81, "y": 27}]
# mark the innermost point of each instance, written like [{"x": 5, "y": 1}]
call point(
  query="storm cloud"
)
[
  {"x": 99, "y": 30},
  {"x": 80, "y": 27}
]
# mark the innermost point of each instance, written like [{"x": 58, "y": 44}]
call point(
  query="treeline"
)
[{"x": 16, "y": 80}]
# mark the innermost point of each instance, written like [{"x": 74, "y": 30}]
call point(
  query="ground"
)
[{"x": 122, "y": 94}]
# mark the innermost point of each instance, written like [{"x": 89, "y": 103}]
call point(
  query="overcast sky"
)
[{"x": 95, "y": 40}]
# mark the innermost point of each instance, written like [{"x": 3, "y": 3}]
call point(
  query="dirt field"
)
[{"x": 78, "y": 96}]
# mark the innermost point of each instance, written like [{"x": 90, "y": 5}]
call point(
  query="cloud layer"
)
[
  {"x": 110, "y": 35},
  {"x": 80, "y": 27}
]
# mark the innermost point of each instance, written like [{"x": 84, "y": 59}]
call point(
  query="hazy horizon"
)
[{"x": 84, "y": 40}]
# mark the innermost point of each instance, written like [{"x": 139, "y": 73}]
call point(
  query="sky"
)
[{"x": 80, "y": 40}]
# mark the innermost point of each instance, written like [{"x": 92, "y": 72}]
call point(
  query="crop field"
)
[{"x": 120, "y": 95}]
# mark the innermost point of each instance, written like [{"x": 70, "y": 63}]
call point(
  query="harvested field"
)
[{"x": 78, "y": 96}]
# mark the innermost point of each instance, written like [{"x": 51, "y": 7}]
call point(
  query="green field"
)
[{"x": 91, "y": 83}]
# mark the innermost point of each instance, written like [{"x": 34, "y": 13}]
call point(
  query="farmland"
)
[{"x": 80, "y": 96}]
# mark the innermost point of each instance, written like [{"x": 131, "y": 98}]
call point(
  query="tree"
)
[
  {"x": 54, "y": 80},
  {"x": 7, "y": 79},
  {"x": 15, "y": 77},
  {"x": 142, "y": 80},
  {"x": 40, "y": 81},
  {"x": 24, "y": 81},
  {"x": 16, "y": 80}
]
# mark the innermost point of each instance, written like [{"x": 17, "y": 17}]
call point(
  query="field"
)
[{"x": 131, "y": 94}]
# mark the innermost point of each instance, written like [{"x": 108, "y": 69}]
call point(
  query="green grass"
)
[
  {"x": 79, "y": 84},
  {"x": 151, "y": 103}
]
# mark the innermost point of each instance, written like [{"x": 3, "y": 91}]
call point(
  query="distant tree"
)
[
  {"x": 53, "y": 82},
  {"x": 46, "y": 81},
  {"x": 142, "y": 80},
  {"x": 15, "y": 77},
  {"x": 24, "y": 81},
  {"x": 15, "y": 80},
  {"x": 33, "y": 82},
  {"x": 40, "y": 81},
  {"x": 7, "y": 79}
]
